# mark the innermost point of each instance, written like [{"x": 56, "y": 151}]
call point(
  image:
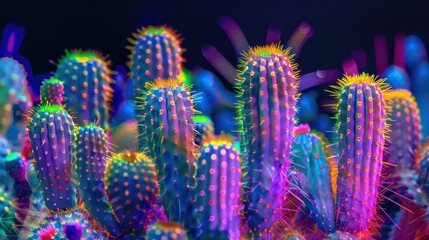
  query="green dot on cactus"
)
[
  {"x": 12, "y": 156},
  {"x": 201, "y": 119},
  {"x": 50, "y": 108},
  {"x": 155, "y": 31}
]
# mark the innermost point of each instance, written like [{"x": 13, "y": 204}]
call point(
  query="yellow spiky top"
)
[
  {"x": 157, "y": 30},
  {"x": 84, "y": 56},
  {"x": 222, "y": 139},
  {"x": 399, "y": 93},
  {"x": 364, "y": 78},
  {"x": 131, "y": 157},
  {"x": 164, "y": 83},
  {"x": 266, "y": 51}
]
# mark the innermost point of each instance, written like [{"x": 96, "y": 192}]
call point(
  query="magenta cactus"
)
[{"x": 361, "y": 128}]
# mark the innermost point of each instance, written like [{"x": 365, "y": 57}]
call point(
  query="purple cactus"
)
[
  {"x": 52, "y": 91},
  {"x": 51, "y": 132},
  {"x": 218, "y": 189},
  {"x": 267, "y": 86},
  {"x": 361, "y": 128}
]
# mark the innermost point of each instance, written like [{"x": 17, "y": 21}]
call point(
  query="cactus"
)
[
  {"x": 203, "y": 128},
  {"x": 415, "y": 51},
  {"x": 361, "y": 129},
  {"x": 13, "y": 82},
  {"x": 309, "y": 157},
  {"x": 51, "y": 131},
  {"x": 267, "y": 95},
  {"x": 168, "y": 130},
  {"x": 17, "y": 129},
  {"x": 155, "y": 53},
  {"x": 166, "y": 231},
  {"x": 91, "y": 150},
  {"x": 16, "y": 166},
  {"x": 86, "y": 78},
  {"x": 52, "y": 91},
  {"x": 404, "y": 136},
  {"x": 217, "y": 190},
  {"x": 419, "y": 82},
  {"x": 341, "y": 236},
  {"x": 132, "y": 189},
  {"x": 423, "y": 162},
  {"x": 397, "y": 77}
]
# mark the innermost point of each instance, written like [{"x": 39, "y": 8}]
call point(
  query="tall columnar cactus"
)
[
  {"x": 91, "y": 150},
  {"x": 132, "y": 189},
  {"x": 203, "y": 128},
  {"x": 86, "y": 77},
  {"x": 402, "y": 148},
  {"x": 16, "y": 166},
  {"x": 397, "y": 77},
  {"x": 52, "y": 91},
  {"x": 218, "y": 189},
  {"x": 51, "y": 132},
  {"x": 267, "y": 94},
  {"x": 13, "y": 82},
  {"x": 168, "y": 131},
  {"x": 361, "y": 128},
  {"x": 166, "y": 231},
  {"x": 309, "y": 157},
  {"x": 155, "y": 53}
]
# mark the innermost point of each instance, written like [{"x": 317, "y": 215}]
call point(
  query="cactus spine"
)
[
  {"x": 91, "y": 151},
  {"x": 218, "y": 188},
  {"x": 361, "y": 128},
  {"x": 168, "y": 130},
  {"x": 86, "y": 77},
  {"x": 267, "y": 95},
  {"x": 132, "y": 189},
  {"x": 51, "y": 131}
]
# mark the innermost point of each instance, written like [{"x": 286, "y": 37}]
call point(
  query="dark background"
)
[{"x": 340, "y": 26}]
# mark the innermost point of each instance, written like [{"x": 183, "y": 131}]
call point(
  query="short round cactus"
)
[
  {"x": 52, "y": 91},
  {"x": 132, "y": 189}
]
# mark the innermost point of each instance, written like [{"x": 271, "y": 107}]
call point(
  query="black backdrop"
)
[{"x": 340, "y": 26}]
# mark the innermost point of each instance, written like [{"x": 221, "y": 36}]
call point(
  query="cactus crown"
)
[
  {"x": 170, "y": 226},
  {"x": 132, "y": 157},
  {"x": 402, "y": 93},
  {"x": 201, "y": 119},
  {"x": 83, "y": 56},
  {"x": 49, "y": 108},
  {"x": 222, "y": 139},
  {"x": 301, "y": 129},
  {"x": 267, "y": 50},
  {"x": 159, "y": 30},
  {"x": 52, "y": 80},
  {"x": 163, "y": 83}
]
